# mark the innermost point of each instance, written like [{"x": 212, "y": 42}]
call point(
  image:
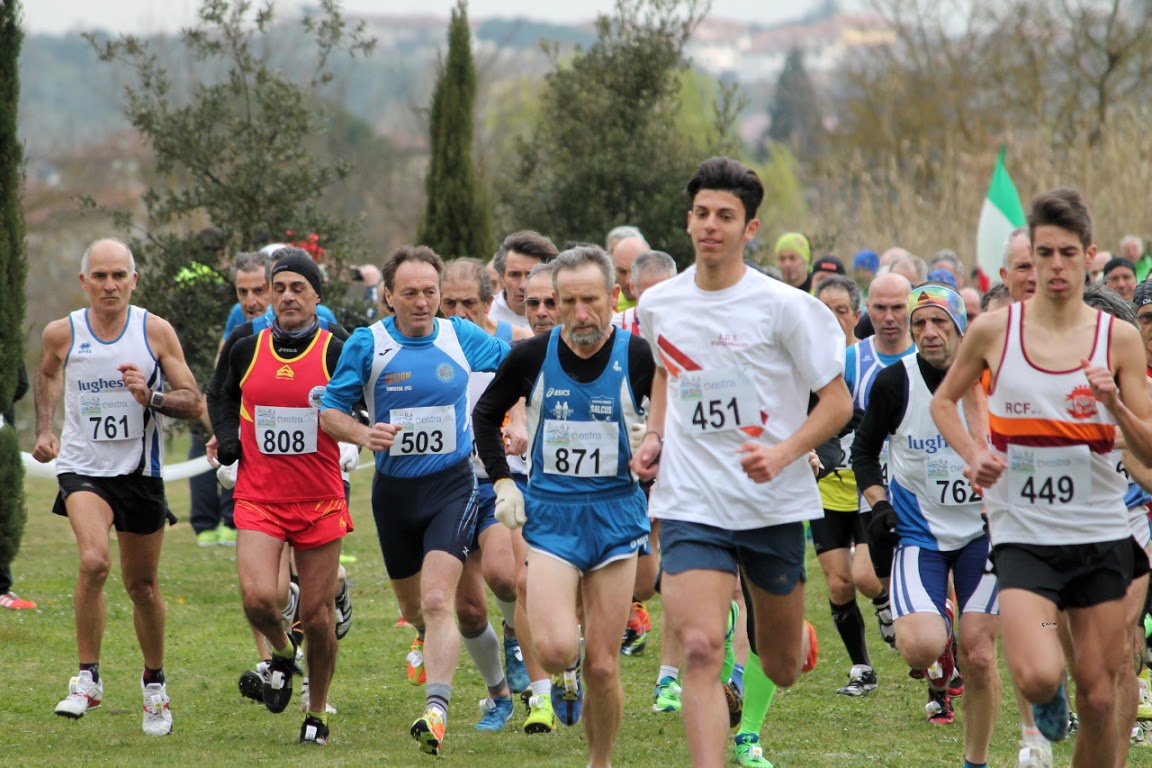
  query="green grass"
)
[{"x": 209, "y": 645}]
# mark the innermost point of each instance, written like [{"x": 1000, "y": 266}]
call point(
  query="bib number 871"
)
[
  {"x": 1052, "y": 491},
  {"x": 571, "y": 462}
]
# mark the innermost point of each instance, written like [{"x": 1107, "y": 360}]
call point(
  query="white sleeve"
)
[{"x": 807, "y": 337}]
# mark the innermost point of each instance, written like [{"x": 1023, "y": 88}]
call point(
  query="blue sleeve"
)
[
  {"x": 850, "y": 368},
  {"x": 235, "y": 319},
  {"x": 483, "y": 352},
  {"x": 325, "y": 313},
  {"x": 347, "y": 384}
]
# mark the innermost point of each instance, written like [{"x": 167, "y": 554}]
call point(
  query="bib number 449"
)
[{"x": 1052, "y": 490}]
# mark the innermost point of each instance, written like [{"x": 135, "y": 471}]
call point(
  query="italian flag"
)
[{"x": 1001, "y": 214}]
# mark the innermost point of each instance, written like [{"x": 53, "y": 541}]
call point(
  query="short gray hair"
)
[
  {"x": 951, "y": 258},
  {"x": 543, "y": 268},
  {"x": 1104, "y": 299},
  {"x": 1018, "y": 232},
  {"x": 616, "y": 234},
  {"x": 94, "y": 243},
  {"x": 1132, "y": 239},
  {"x": 653, "y": 262},
  {"x": 844, "y": 284},
  {"x": 917, "y": 264},
  {"x": 574, "y": 258},
  {"x": 251, "y": 261}
]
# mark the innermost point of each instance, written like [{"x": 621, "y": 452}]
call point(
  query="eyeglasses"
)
[
  {"x": 549, "y": 302},
  {"x": 466, "y": 303}
]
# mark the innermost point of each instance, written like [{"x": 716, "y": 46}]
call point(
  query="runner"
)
[
  {"x": 412, "y": 370},
  {"x": 519, "y": 252},
  {"x": 730, "y": 426},
  {"x": 110, "y": 362}
]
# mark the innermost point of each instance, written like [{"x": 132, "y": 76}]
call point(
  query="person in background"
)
[
  {"x": 824, "y": 268},
  {"x": 1120, "y": 276},
  {"x": 793, "y": 255},
  {"x": 1132, "y": 248},
  {"x": 8, "y": 598},
  {"x": 864, "y": 268}
]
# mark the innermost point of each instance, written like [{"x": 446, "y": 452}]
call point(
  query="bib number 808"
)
[{"x": 283, "y": 441}]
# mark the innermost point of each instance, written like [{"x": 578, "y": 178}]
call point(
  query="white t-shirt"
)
[
  {"x": 741, "y": 364},
  {"x": 500, "y": 311}
]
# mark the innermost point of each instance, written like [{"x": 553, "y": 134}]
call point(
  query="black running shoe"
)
[
  {"x": 343, "y": 611},
  {"x": 252, "y": 683},
  {"x": 313, "y": 731},
  {"x": 278, "y": 684}
]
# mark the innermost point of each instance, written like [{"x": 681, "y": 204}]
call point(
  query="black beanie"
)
[{"x": 296, "y": 260}]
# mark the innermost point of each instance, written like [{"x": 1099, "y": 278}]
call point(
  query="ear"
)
[{"x": 750, "y": 229}]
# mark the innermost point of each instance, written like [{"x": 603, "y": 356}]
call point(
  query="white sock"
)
[
  {"x": 508, "y": 611},
  {"x": 541, "y": 687},
  {"x": 666, "y": 671},
  {"x": 486, "y": 652}
]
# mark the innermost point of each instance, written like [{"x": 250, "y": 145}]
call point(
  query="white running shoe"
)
[
  {"x": 157, "y": 716},
  {"x": 83, "y": 694},
  {"x": 1035, "y": 754}
]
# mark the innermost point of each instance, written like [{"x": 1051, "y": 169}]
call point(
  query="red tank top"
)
[{"x": 285, "y": 454}]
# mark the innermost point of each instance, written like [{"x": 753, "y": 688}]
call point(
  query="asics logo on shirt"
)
[
  {"x": 557, "y": 392},
  {"x": 99, "y": 385}
]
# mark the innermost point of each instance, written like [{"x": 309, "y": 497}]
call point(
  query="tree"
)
[
  {"x": 457, "y": 221},
  {"x": 12, "y": 270},
  {"x": 795, "y": 111},
  {"x": 238, "y": 154}
]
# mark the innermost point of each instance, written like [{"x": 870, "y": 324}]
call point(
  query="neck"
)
[
  {"x": 489, "y": 325},
  {"x": 717, "y": 277},
  {"x": 413, "y": 333},
  {"x": 886, "y": 348},
  {"x": 585, "y": 351},
  {"x": 1058, "y": 313},
  {"x": 108, "y": 323}
]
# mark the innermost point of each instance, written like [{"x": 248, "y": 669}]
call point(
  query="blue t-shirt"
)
[
  {"x": 863, "y": 360},
  {"x": 236, "y": 317},
  {"x": 419, "y": 383}
]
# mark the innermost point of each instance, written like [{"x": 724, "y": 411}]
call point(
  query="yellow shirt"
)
[{"x": 838, "y": 491}]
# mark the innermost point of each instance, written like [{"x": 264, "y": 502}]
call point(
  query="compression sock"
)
[
  {"x": 759, "y": 691},
  {"x": 850, "y": 624}
]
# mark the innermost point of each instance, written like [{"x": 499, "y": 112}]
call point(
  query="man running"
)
[
  {"x": 518, "y": 254},
  {"x": 111, "y": 362}
]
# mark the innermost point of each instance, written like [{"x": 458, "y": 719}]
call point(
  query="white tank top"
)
[
  {"x": 106, "y": 432},
  {"x": 1060, "y": 486}
]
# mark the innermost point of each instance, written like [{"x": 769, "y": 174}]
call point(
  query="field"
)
[{"x": 209, "y": 646}]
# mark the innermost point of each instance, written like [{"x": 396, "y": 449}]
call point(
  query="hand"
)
[
  {"x": 882, "y": 528},
  {"x": 985, "y": 470},
  {"x": 349, "y": 456},
  {"x": 646, "y": 455},
  {"x": 1102, "y": 383},
  {"x": 226, "y": 474},
  {"x": 136, "y": 383},
  {"x": 762, "y": 463},
  {"x": 509, "y": 503},
  {"x": 515, "y": 438},
  {"x": 814, "y": 462},
  {"x": 47, "y": 447},
  {"x": 210, "y": 452},
  {"x": 381, "y": 436},
  {"x": 636, "y": 434}
]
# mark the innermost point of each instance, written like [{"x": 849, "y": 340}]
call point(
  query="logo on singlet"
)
[
  {"x": 1081, "y": 402},
  {"x": 601, "y": 408},
  {"x": 315, "y": 394},
  {"x": 562, "y": 410},
  {"x": 286, "y": 372},
  {"x": 85, "y": 348},
  {"x": 445, "y": 372}
]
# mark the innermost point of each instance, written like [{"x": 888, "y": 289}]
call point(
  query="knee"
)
[
  {"x": 1035, "y": 686},
  {"x": 472, "y": 615},
  {"x": 94, "y": 567},
  {"x": 502, "y": 582},
  {"x": 783, "y": 669},
  {"x": 317, "y": 620},
  {"x": 261, "y": 609},
  {"x": 601, "y": 672},
  {"x": 142, "y": 591},
  {"x": 918, "y": 652},
  {"x": 840, "y": 588},
  {"x": 553, "y": 654},
  {"x": 978, "y": 657},
  {"x": 435, "y": 602},
  {"x": 701, "y": 648}
]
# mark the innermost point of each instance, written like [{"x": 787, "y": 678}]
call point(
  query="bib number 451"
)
[{"x": 719, "y": 414}]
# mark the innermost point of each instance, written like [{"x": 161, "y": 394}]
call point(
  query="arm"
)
[
  {"x": 182, "y": 400},
  {"x": 49, "y": 386},
  {"x": 1124, "y": 392},
  {"x": 224, "y": 397},
  {"x": 887, "y": 402},
  {"x": 645, "y": 457},
  {"x": 507, "y": 388},
  {"x": 762, "y": 462}
]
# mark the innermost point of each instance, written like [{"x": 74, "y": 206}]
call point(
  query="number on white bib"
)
[
  {"x": 112, "y": 416},
  {"x": 286, "y": 431},
  {"x": 716, "y": 401},
  {"x": 944, "y": 477},
  {"x": 581, "y": 448},
  {"x": 427, "y": 431},
  {"x": 1049, "y": 476}
]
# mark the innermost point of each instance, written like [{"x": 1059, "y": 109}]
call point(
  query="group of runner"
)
[{"x": 536, "y": 439}]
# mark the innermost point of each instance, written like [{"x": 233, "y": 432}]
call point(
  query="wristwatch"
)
[{"x": 157, "y": 401}]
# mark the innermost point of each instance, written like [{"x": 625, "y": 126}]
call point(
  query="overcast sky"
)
[{"x": 144, "y": 16}]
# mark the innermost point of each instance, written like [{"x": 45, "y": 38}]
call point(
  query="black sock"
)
[
  {"x": 850, "y": 624},
  {"x": 94, "y": 669},
  {"x": 153, "y": 676}
]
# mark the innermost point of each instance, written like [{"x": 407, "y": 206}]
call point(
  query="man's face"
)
[
  {"x": 648, "y": 278},
  {"x": 1123, "y": 281},
  {"x": 252, "y": 293},
  {"x": 1131, "y": 251},
  {"x": 1096, "y": 266},
  {"x": 623, "y": 256},
  {"x": 1061, "y": 262},
  {"x": 585, "y": 304},
  {"x": 935, "y": 335},
  {"x": 1020, "y": 274},
  {"x": 294, "y": 300},
  {"x": 718, "y": 228},
  {"x": 516, "y": 269},
  {"x": 971, "y": 302},
  {"x": 838, "y": 300},
  {"x": 793, "y": 268},
  {"x": 415, "y": 297},
  {"x": 540, "y": 304},
  {"x": 888, "y": 310},
  {"x": 819, "y": 277},
  {"x": 462, "y": 299},
  {"x": 110, "y": 280},
  {"x": 1144, "y": 317}
]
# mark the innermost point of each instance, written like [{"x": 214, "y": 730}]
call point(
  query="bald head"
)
[
  {"x": 623, "y": 257},
  {"x": 107, "y": 247},
  {"x": 888, "y": 311}
]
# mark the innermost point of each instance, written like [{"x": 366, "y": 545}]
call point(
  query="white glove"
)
[
  {"x": 226, "y": 474},
  {"x": 509, "y": 503},
  {"x": 349, "y": 457},
  {"x": 636, "y": 434}
]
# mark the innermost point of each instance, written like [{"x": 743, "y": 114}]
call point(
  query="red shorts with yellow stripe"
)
[{"x": 303, "y": 524}]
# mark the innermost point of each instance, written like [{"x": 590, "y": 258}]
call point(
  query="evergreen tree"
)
[
  {"x": 457, "y": 221},
  {"x": 12, "y": 270},
  {"x": 795, "y": 109}
]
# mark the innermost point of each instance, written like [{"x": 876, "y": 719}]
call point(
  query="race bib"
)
[
  {"x": 427, "y": 431},
  {"x": 1049, "y": 476},
  {"x": 286, "y": 431},
  {"x": 581, "y": 448},
  {"x": 883, "y": 458},
  {"x": 112, "y": 416},
  {"x": 716, "y": 401},
  {"x": 944, "y": 478}
]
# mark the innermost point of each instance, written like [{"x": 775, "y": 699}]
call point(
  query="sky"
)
[{"x": 151, "y": 16}]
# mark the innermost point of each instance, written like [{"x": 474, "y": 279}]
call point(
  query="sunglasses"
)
[{"x": 549, "y": 302}]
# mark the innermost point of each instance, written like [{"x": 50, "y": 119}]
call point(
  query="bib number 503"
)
[{"x": 421, "y": 442}]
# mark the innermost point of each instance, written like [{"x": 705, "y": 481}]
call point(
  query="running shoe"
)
[
  {"x": 939, "y": 707},
  {"x": 541, "y": 716},
  {"x": 208, "y": 538},
  {"x": 429, "y": 731},
  {"x": 14, "y": 602},
  {"x": 1052, "y": 716},
  {"x": 225, "y": 536},
  {"x": 956, "y": 684},
  {"x": 343, "y": 610},
  {"x": 667, "y": 695},
  {"x": 861, "y": 681},
  {"x": 568, "y": 695},
  {"x": 749, "y": 753},
  {"x": 314, "y": 731},
  {"x": 83, "y": 695},
  {"x": 813, "y": 648},
  {"x": 306, "y": 700},
  {"x": 278, "y": 684},
  {"x": 252, "y": 683},
  {"x": 497, "y": 712},
  {"x": 290, "y": 616},
  {"x": 514, "y": 669},
  {"x": 1144, "y": 710},
  {"x": 1034, "y": 754},
  {"x": 942, "y": 670},
  {"x": 887, "y": 628},
  {"x": 415, "y": 663},
  {"x": 1073, "y": 722},
  {"x": 157, "y": 715},
  {"x": 735, "y": 704},
  {"x": 636, "y": 633}
]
